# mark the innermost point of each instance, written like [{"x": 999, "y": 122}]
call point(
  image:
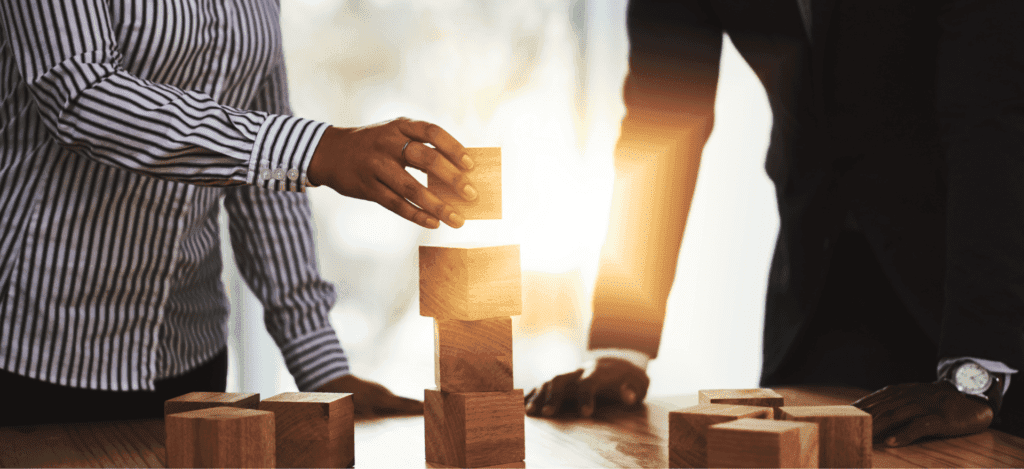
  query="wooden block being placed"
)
[
  {"x": 475, "y": 429},
  {"x": 470, "y": 284},
  {"x": 485, "y": 177},
  {"x": 688, "y": 427},
  {"x": 206, "y": 400},
  {"x": 755, "y": 397},
  {"x": 314, "y": 429},
  {"x": 473, "y": 356},
  {"x": 763, "y": 443},
  {"x": 220, "y": 437},
  {"x": 844, "y": 433}
]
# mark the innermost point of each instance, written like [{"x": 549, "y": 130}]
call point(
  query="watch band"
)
[{"x": 995, "y": 392}]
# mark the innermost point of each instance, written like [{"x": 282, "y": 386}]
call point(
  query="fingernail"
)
[
  {"x": 548, "y": 410},
  {"x": 470, "y": 192},
  {"x": 456, "y": 219},
  {"x": 891, "y": 441},
  {"x": 587, "y": 410},
  {"x": 468, "y": 163},
  {"x": 433, "y": 223}
]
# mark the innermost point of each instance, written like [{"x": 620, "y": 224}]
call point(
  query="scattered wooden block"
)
[
  {"x": 220, "y": 437},
  {"x": 763, "y": 443},
  {"x": 844, "y": 433},
  {"x": 470, "y": 283},
  {"x": 206, "y": 400},
  {"x": 474, "y": 429},
  {"x": 687, "y": 430},
  {"x": 473, "y": 356},
  {"x": 485, "y": 177},
  {"x": 754, "y": 397},
  {"x": 314, "y": 429}
]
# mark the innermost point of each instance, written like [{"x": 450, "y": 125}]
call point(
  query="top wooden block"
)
[
  {"x": 754, "y": 397},
  {"x": 206, "y": 400},
  {"x": 485, "y": 177},
  {"x": 470, "y": 284}
]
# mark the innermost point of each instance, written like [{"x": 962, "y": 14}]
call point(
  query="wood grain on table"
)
[{"x": 611, "y": 439}]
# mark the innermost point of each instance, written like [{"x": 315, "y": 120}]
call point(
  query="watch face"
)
[{"x": 971, "y": 378}]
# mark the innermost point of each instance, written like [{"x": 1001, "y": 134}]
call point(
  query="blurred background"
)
[{"x": 542, "y": 80}]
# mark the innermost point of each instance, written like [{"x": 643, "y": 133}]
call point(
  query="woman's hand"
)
[{"x": 369, "y": 163}]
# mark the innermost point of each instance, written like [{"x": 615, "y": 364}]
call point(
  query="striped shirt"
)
[{"x": 123, "y": 125}]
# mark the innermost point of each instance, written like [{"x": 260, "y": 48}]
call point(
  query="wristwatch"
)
[{"x": 975, "y": 380}]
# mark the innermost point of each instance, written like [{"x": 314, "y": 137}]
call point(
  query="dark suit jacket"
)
[{"x": 888, "y": 116}]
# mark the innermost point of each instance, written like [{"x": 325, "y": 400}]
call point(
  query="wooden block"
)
[
  {"x": 314, "y": 429},
  {"x": 470, "y": 284},
  {"x": 844, "y": 433},
  {"x": 474, "y": 429},
  {"x": 206, "y": 400},
  {"x": 473, "y": 356},
  {"x": 755, "y": 397},
  {"x": 687, "y": 429},
  {"x": 485, "y": 177},
  {"x": 763, "y": 443},
  {"x": 220, "y": 437}
]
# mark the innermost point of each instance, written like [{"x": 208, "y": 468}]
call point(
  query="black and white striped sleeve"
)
[
  {"x": 272, "y": 239},
  {"x": 65, "y": 50}
]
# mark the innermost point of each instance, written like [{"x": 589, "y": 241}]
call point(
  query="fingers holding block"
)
[
  {"x": 206, "y": 400},
  {"x": 314, "y": 429},
  {"x": 687, "y": 429},
  {"x": 763, "y": 443},
  {"x": 220, "y": 437},
  {"x": 844, "y": 432},
  {"x": 755, "y": 397},
  {"x": 470, "y": 283},
  {"x": 485, "y": 177}
]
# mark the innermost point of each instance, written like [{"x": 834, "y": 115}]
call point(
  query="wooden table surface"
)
[{"x": 611, "y": 439}]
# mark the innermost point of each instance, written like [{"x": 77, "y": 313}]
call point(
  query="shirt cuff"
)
[
  {"x": 991, "y": 365},
  {"x": 636, "y": 357},
  {"x": 284, "y": 146},
  {"x": 315, "y": 359}
]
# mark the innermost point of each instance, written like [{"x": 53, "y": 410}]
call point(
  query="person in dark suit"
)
[{"x": 897, "y": 154}]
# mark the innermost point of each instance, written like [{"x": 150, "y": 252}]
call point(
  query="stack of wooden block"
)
[
  {"x": 754, "y": 428},
  {"x": 474, "y": 418},
  {"x": 210, "y": 429}
]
